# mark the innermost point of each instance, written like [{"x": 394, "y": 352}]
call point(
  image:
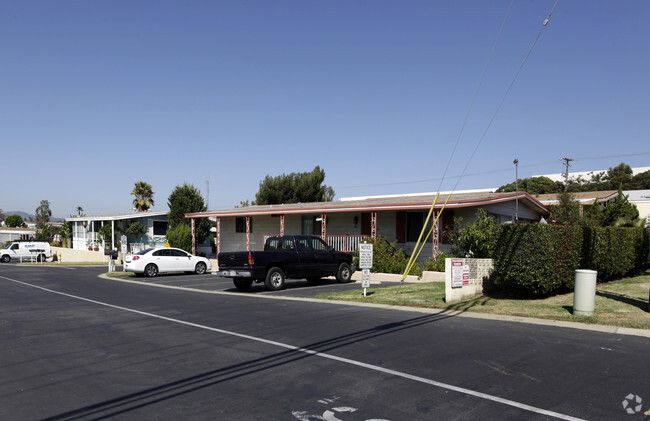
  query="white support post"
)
[
  {"x": 218, "y": 235},
  {"x": 194, "y": 236},
  {"x": 281, "y": 224},
  {"x": 248, "y": 233}
]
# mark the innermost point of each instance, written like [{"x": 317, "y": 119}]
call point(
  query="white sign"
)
[
  {"x": 456, "y": 273},
  {"x": 123, "y": 242},
  {"x": 365, "y": 278},
  {"x": 365, "y": 256}
]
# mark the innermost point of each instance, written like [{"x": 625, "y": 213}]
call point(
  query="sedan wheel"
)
[
  {"x": 151, "y": 270},
  {"x": 200, "y": 268}
]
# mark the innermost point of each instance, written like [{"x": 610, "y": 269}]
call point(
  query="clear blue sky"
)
[{"x": 97, "y": 95}]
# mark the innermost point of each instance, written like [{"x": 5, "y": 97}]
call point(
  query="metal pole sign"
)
[{"x": 365, "y": 264}]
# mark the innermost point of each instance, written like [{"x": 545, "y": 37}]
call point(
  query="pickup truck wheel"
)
[
  {"x": 274, "y": 279},
  {"x": 200, "y": 268},
  {"x": 345, "y": 273},
  {"x": 5, "y": 258},
  {"x": 151, "y": 270},
  {"x": 243, "y": 284}
]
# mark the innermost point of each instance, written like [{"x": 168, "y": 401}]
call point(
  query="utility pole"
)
[
  {"x": 516, "y": 162},
  {"x": 566, "y": 171},
  {"x": 207, "y": 198}
]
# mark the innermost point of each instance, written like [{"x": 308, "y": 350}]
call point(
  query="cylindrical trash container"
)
[{"x": 584, "y": 297}]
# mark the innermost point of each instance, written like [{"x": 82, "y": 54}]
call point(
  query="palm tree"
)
[
  {"x": 79, "y": 210},
  {"x": 143, "y": 196}
]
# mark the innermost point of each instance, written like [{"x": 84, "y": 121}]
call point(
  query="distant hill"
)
[{"x": 29, "y": 217}]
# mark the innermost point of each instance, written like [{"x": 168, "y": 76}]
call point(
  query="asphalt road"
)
[{"x": 74, "y": 346}]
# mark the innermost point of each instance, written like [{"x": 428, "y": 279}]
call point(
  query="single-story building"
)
[
  {"x": 641, "y": 199},
  {"x": 585, "y": 199},
  {"x": 85, "y": 229},
  {"x": 344, "y": 223},
  {"x": 8, "y": 234}
]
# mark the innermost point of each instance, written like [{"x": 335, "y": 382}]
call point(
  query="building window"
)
[
  {"x": 240, "y": 224},
  {"x": 159, "y": 227},
  {"x": 414, "y": 223}
]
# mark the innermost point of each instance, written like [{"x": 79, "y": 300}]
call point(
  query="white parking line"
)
[{"x": 395, "y": 373}]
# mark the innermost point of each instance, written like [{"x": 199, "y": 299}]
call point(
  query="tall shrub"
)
[
  {"x": 537, "y": 259},
  {"x": 615, "y": 252}
]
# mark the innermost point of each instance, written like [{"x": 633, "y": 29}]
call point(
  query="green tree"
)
[
  {"x": 106, "y": 233},
  {"x": 143, "y": 193},
  {"x": 136, "y": 229},
  {"x": 594, "y": 216},
  {"x": 43, "y": 214},
  {"x": 187, "y": 199},
  {"x": 479, "y": 238},
  {"x": 640, "y": 181},
  {"x": 534, "y": 185},
  {"x": 14, "y": 221},
  {"x": 66, "y": 233},
  {"x": 619, "y": 208},
  {"x": 567, "y": 211},
  {"x": 294, "y": 188},
  {"x": 619, "y": 177},
  {"x": 45, "y": 233},
  {"x": 180, "y": 237},
  {"x": 80, "y": 211}
]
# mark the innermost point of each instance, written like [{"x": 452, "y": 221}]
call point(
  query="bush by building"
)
[{"x": 541, "y": 259}]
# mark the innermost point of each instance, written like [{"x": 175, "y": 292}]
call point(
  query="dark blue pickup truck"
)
[{"x": 286, "y": 257}]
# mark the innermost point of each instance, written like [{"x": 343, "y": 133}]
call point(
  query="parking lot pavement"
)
[{"x": 293, "y": 288}]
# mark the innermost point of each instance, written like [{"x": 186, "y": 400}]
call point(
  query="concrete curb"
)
[{"x": 485, "y": 316}]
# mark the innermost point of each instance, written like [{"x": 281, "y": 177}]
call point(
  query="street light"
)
[{"x": 516, "y": 162}]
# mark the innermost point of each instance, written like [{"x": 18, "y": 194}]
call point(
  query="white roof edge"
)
[
  {"x": 442, "y": 193},
  {"x": 116, "y": 216}
]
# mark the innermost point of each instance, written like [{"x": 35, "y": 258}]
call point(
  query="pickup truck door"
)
[{"x": 323, "y": 258}]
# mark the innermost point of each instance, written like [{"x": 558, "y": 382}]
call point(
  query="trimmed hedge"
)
[{"x": 539, "y": 259}]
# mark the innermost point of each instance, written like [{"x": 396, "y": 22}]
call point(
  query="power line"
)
[{"x": 495, "y": 171}]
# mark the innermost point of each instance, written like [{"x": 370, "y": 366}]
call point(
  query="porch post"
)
[
  {"x": 113, "y": 235},
  {"x": 218, "y": 235},
  {"x": 373, "y": 225},
  {"x": 193, "y": 236},
  {"x": 281, "y": 224},
  {"x": 248, "y": 233},
  {"x": 323, "y": 226},
  {"x": 436, "y": 233}
]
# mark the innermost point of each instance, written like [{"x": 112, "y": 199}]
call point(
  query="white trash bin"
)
[{"x": 584, "y": 297}]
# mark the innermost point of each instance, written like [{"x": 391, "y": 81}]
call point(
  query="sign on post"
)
[{"x": 365, "y": 264}]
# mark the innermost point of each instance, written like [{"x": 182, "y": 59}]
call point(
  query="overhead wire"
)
[{"x": 419, "y": 247}]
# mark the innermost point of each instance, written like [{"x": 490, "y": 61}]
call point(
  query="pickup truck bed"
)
[{"x": 286, "y": 257}]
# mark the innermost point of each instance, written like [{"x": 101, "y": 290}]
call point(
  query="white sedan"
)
[{"x": 152, "y": 261}]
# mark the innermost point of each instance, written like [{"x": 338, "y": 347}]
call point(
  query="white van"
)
[{"x": 26, "y": 250}]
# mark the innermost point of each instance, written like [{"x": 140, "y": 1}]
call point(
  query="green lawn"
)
[{"x": 621, "y": 303}]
